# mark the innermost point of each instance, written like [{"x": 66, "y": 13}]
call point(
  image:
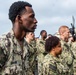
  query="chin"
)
[{"x": 32, "y": 30}]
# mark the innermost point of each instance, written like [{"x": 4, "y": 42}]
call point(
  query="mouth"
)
[{"x": 34, "y": 27}]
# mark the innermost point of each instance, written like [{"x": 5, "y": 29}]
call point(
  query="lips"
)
[{"x": 34, "y": 27}]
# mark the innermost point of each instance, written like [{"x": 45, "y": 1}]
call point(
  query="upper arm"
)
[
  {"x": 49, "y": 69},
  {"x": 3, "y": 54}
]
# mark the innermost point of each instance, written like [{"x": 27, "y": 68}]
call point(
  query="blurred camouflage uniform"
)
[
  {"x": 33, "y": 43},
  {"x": 67, "y": 56},
  {"x": 41, "y": 54},
  {"x": 53, "y": 66},
  {"x": 33, "y": 56},
  {"x": 73, "y": 48},
  {"x": 13, "y": 58}
]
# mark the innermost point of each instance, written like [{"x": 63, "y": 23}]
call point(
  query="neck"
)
[
  {"x": 28, "y": 40},
  {"x": 43, "y": 38},
  {"x": 53, "y": 54},
  {"x": 19, "y": 34}
]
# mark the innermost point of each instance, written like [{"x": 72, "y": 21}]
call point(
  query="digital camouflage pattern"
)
[
  {"x": 33, "y": 56},
  {"x": 41, "y": 46},
  {"x": 14, "y": 60},
  {"x": 33, "y": 43},
  {"x": 41, "y": 53},
  {"x": 53, "y": 66},
  {"x": 73, "y": 48},
  {"x": 67, "y": 56}
]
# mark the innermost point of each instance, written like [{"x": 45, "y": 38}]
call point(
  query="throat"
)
[{"x": 21, "y": 43}]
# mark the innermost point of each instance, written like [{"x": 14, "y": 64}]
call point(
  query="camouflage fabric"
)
[
  {"x": 73, "y": 48},
  {"x": 33, "y": 56},
  {"x": 13, "y": 58},
  {"x": 33, "y": 43},
  {"x": 67, "y": 56},
  {"x": 41, "y": 45},
  {"x": 53, "y": 66},
  {"x": 41, "y": 53}
]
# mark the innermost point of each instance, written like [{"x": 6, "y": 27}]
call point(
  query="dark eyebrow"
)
[{"x": 32, "y": 15}]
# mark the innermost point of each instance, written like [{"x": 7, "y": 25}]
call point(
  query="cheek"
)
[
  {"x": 59, "y": 50},
  {"x": 67, "y": 35},
  {"x": 64, "y": 34},
  {"x": 30, "y": 21},
  {"x": 27, "y": 22},
  {"x": 30, "y": 24}
]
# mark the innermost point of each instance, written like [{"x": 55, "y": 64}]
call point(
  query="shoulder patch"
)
[{"x": 53, "y": 67}]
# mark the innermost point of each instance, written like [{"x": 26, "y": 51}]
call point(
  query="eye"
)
[
  {"x": 32, "y": 16},
  {"x": 30, "y": 33}
]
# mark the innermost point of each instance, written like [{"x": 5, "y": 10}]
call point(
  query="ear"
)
[{"x": 18, "y": 18}]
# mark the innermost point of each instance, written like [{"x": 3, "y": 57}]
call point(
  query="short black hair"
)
[
  {"x": 51, "y": 42},
  {"x": 17, "y": 8},
  {"x": 42, "y": 32}
]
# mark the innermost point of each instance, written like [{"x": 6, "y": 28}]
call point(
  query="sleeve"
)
[
  {"x": 49, "y": 69},
  {"x": 73, "y": 49},
  {"x": 3, "y": 55},
  {"x": 67, "y": 55}
]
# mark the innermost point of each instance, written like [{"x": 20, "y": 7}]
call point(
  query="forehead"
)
[
  {"x": 30, "y": 33},
  {"x": 67, "y": 29},
  {"x": 44, "y": 32},
  {"x": 29, "y": 10}
]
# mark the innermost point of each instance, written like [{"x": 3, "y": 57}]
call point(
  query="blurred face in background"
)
[
  {"x": 44, "y": 34},
  {"x": 66, "y": 33},
  {"x": 58, "y": 49},
  {"x": 30, "y": 35}
]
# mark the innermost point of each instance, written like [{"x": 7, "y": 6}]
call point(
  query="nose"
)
[{"x": 35, "y": 20}]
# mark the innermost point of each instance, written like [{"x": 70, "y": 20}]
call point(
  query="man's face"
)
[
  {"x": 66, "y": 33},
  {"x": 28, "y": 19},
  {"x": 44, "y": 34},
  {"x": 31, "y": 36}
]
